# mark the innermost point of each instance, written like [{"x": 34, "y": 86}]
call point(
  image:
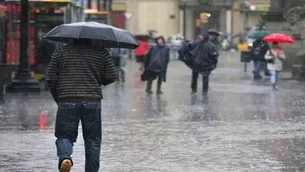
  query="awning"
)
[
  {"x": 95, "y": 12},
  {"x": 57, "y": 2}
]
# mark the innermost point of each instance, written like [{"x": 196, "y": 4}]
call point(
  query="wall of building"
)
[{"x": 160, "y": 15}]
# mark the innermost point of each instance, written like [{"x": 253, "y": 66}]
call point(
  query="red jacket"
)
[{"x": 142, "y": 49}]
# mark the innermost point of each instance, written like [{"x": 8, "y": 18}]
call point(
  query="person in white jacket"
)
[{"x": 274, "y": 58}]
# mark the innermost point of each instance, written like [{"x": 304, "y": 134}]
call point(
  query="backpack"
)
[{"x": 257, "y": 50}]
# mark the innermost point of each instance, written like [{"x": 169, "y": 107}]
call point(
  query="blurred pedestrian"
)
[
  {"x": 155, "y": 64},
  {"x": 141, "y": 52},
  {"x": 274, "y": 58},
  {"x": 119, "y": 63},
  {"x": 213, "y": 37},
  {"x": 75, "y": 76},
  {"x": 206, "y": 56},
  {"x": 258, "y": 52}
]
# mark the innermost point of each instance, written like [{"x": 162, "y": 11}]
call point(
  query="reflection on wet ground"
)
[{"x": 240, "y": 125}]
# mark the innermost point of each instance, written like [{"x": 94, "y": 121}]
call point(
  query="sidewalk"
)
[{"x": 241, "y": 125}]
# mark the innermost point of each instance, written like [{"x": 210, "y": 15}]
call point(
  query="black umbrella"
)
[
  {"x": 110, "y": 37},
  {"x": 213, "y": 32}
]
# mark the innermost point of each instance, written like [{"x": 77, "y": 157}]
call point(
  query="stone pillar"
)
[
  {"x": 190, "y": 24},
  {"x": 222, "y": 20},
  {"x": 229, "y": 21},
  {"x": 236, "y": 19}
]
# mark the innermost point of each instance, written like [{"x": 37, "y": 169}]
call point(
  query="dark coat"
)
[
  {"x": 200, "y": 56},
  {"x": 259, "y": 50},
  {"x": 155, "y": 63},
  {"x": 215, "y": 41}
]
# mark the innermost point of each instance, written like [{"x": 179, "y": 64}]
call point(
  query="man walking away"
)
[
  {"x": 206, "y": 58},
  {"x": 155, "y": 65},
  {"x": 75, "y": 76}
]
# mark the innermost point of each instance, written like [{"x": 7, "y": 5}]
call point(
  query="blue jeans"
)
[
  {"x": 274, "y": 76},
  {"x": 66, "y": 130},
  {"x": 257, "y": 68}
]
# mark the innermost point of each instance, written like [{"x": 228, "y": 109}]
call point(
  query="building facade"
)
[
  {"x": 162, "y": 16},
  {"x": 228, "y": 16}
]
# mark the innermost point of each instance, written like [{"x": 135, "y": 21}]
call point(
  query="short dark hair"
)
[
  {"x": 160, "y": 37},
  {"x": 275, "y": 43}
]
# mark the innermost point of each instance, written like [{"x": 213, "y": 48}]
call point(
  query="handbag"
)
[
  {"x": 89, "y": 67},
  {"x": 270, "y": 60}
]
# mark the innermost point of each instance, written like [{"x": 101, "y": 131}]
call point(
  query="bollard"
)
[{"x": 43, "y": 120}]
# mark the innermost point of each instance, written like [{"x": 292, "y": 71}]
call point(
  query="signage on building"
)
[
  {"x": 128, "y": 15},
  {"x": 258, "y": 5},
  {"x": 57, "y": 1},
  {"x": 44, "y": 18},
  {"x": 227, "y": 3},
  {"x": 118, "y": 7}
]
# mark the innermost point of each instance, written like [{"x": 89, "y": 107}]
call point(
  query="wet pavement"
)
[{"x": 241, "y": 125}]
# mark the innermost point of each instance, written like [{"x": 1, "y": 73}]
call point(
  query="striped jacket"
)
[{"x": 69, "y": 77}]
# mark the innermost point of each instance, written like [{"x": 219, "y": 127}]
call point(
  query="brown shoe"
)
[{"x": 65, "y": 166}]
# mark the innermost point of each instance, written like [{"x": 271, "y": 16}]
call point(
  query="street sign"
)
[{"x": 128, "y": 15}]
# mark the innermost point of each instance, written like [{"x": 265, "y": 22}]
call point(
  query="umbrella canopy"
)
[
  {"x": 111, "y": 37},
  {"x": 280, "y": 38},
  {"x": 213, "y": 32},
  {"x": 258, "y": 34}
]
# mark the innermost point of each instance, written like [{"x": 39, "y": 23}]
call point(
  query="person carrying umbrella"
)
[
  {"x": 275, "y": 56},
  {"x": 75, "y": 76},
  {"x": 257, "y": 53},
  {"x": 155, "y": 64}
]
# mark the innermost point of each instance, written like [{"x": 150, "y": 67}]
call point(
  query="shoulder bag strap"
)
[{"x": 89, "y": 66}]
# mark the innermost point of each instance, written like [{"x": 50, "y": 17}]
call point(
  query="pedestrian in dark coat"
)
[
  {"x": 258, "y": 52},
  {"x": 205, "y": 55},
  {"x": 155, "y": 64}
]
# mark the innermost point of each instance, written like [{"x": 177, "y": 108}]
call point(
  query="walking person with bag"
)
[
  {"x": 274, "y": 58},
  {"x": 75, "y": 76}
]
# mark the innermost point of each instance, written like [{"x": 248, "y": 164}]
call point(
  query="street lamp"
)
[{"x": 23, "y": 81}]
